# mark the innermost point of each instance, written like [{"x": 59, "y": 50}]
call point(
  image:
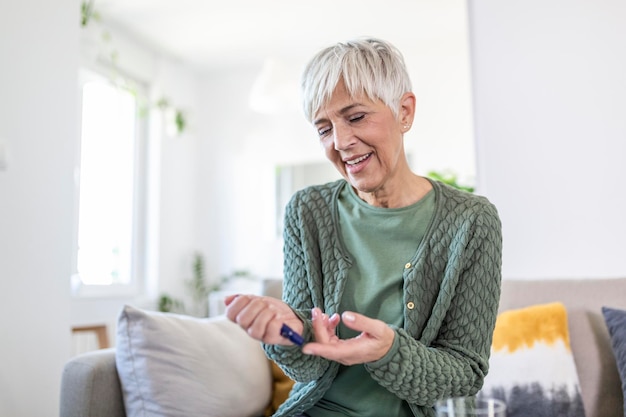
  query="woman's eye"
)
[
  {"x": 323, "y": 131},
  {"x": 356, "y": 118}
]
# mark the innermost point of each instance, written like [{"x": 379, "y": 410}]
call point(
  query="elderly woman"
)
[{"x": 392, "y": 279}]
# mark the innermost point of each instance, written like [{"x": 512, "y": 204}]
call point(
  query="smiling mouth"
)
[{"x": 359, "y": 159}]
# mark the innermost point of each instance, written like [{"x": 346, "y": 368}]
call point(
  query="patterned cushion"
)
[
  {"x": 531, "y": 366},
  {"x": 616, "y": 322}
]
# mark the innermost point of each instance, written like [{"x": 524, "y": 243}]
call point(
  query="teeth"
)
[{"x": 356, "y": 161}]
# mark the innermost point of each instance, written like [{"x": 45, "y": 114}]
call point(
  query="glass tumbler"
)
[{"x": 470, "y": 407}]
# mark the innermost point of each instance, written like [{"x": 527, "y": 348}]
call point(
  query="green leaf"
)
[
  {"x": 181, "y": 123},
  {"x": 450, "y": 179}
]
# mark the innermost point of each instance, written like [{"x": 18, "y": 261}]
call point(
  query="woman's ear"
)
[{"x": 407, "y": 109}]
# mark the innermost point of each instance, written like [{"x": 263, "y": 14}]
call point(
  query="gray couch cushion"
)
[{"x": 90, "y": 386}]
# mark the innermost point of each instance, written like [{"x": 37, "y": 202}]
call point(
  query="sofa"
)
[{"x": 91, "y": 383}]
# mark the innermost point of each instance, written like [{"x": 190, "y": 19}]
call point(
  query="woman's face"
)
[{"x": 363, "y": 139}]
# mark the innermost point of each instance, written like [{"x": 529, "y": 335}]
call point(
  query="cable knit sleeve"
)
[
  {"x": 302, "y": 284},
  {"x": 447, "y": 355}
]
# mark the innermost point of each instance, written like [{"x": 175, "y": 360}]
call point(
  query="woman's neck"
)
[{"x": 403, "y": 192}]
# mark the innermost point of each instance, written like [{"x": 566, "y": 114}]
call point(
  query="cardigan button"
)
[
  {"x": 410, "y": 305},
  {"x": 407, "y": 265}
]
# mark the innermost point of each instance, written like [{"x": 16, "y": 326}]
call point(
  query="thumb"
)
[{"x": 361, "y": 323}]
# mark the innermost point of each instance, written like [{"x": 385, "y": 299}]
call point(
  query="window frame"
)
[{"x": 140, "y": 215}]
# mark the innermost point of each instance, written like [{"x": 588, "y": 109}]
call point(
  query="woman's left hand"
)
[{"x": 371, "y": 344}]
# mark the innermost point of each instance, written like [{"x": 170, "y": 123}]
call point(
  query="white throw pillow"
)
[
  {"x": 531, "y": 366},
  {"x": 174, "y": 365}
]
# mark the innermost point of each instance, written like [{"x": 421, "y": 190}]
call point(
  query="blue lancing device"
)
[{"x": 288, "y": 333}]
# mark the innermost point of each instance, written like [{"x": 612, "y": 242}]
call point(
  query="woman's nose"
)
[{"x": 343, "y": 137}]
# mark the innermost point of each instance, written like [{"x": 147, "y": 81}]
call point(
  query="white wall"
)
[
  {"x": 550, "y": 109},
  {"x": 239, "y": 151},
  {"x": 38, "y": 126},
  {"x": 178, "y": 177}
]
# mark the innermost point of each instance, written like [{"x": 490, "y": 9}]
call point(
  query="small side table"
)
[{"x": 99, "y": 329}]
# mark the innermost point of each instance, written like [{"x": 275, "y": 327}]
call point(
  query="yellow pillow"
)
[
  {"x": 523, "y": 328},
  {"x": 531, "y": 366},
  {"x": 281, "y": 386}
]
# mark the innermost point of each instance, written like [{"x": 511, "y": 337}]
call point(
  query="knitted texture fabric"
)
[{"x": 451, "y": 295}]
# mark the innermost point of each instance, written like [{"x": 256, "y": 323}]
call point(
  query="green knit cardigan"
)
[{"x": 451, "y": 295}]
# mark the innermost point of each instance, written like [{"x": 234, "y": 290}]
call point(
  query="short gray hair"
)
[{"x": 371, "y": 66}]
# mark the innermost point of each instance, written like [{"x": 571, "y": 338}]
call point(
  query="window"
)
[{"x": 109, "y": 248}]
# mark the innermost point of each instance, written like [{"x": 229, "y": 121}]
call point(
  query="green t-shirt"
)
[{"x": 381, "y": 241}]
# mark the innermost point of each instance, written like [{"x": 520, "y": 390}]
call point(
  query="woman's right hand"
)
[{"x": 262, "y": 317}]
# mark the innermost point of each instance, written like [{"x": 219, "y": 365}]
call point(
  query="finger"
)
[
  {"x": 334, "y": 320},
  {"x": 355, "y": 321},
  {"x": 255, "y": 316},
  {"x": 251, "y": 311},
  {"x": 229, "y": 299},
  {"x": 263, "y": 327},
  {"x": 235, "y": 305},
  {"x": 342, "y": 351},
  {"x": 319, "y": 329}
]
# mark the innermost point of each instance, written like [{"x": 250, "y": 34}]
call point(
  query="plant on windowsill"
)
[
  {"x": 87, "y": 12},
  {"x": 167, "y": 304},
  {"x": 173, "y": 116},
  {"x": 178, "y": 118},
  {"x": 199, "y": 289},
  {"x": 450, "y": 179}
]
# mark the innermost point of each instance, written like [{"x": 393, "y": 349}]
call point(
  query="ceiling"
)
[{"x": 208, "y": 33}]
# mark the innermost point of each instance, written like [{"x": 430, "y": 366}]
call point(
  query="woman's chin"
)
[{"x": 361, "y": 185}]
